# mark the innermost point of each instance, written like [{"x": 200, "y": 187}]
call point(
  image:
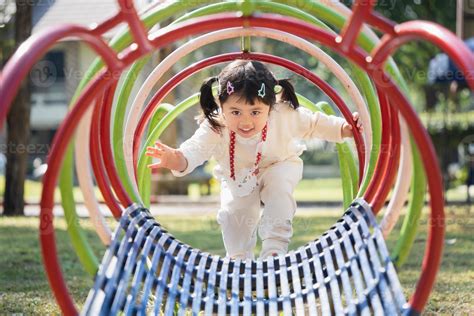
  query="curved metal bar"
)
[
  {"x": 454, "y": 47},
  {"x": 47, "y": 235},
  {"x": 464, "y": 59},
  {"x": 361, "y": 10},
  {"x": 65, "y": 182},
  {"x": 325, "y": 10},
  {"x": 405, "y": 172},
  {"x": 137, "y": 28},
  {"x": 163, "y": 91},
  {"x": 81, "y": 152},
  {"x": 432, "y": 256},
  {"x": 433, "y": 252},
  {"x": 107, "y": 25},
  {"x": 411, "y": 222},
  {"x": 34, "y": 47},
  {"x": 384, "y": 151},
  {"x": 105, "y": 148},
  {"x": 306, "y": 46},
  {"x": 382, "y": 81},
  {"x": 393, "y": 162},
  {"x": 97, "y": 162},
  {"x": 83, "y": 171},
  {"x": 327, "y": 13},
  {"x": 336, "y": 13},
  {"x": 402, "y": 186},
  {"x": 119, "y": 133}
]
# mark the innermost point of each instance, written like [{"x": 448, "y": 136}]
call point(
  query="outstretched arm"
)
[
  {"x": 192, "y": 153},
  {"x": 168, "y": 157}
]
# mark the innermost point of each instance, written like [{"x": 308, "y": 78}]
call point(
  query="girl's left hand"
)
[{"x": 347, "y": 128}]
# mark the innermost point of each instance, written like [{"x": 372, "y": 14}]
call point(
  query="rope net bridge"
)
[{"x": 348, "y": 270}]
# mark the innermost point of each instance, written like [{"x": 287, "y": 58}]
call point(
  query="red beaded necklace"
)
[{"x": 232, "y": 153}]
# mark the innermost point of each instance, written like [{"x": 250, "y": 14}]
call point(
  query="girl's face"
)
[{"x": 245, "y": 119}]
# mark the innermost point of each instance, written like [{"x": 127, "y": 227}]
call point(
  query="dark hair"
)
[{"x": 246, "y": 78}]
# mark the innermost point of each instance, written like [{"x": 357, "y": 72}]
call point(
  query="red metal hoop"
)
[
  {"x": 173, "y": 82},
  {"x": 33, "y": 48}
]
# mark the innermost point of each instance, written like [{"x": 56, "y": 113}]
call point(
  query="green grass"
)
[
  {"x": 307, "y": 190},
  {"x": 33, "y": 191},
  {"x": 330, "y": 190},
  {"x": 319, "y": 190},
  {"x": 24, "y": 288}
]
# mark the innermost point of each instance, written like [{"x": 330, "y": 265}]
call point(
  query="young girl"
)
[{"x": 253, "y": 135}]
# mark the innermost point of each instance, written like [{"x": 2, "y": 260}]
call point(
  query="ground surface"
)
[{"x": 24, "y": 288}]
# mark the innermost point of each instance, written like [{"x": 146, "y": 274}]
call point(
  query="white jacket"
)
[{"x": 286, "y": 128}]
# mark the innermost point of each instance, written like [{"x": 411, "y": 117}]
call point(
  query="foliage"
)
[
  {"x": 7, "y": 42},
  {"x": 413, "y": 58},
  {"x": 436, "y": 122},
  {"x": 318, "y": 157}
]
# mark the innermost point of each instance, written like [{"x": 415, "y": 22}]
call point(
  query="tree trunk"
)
[{"x": 18, "y": 125}]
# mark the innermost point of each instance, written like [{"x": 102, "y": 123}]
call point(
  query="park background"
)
[{"x": 187, "y": 206}]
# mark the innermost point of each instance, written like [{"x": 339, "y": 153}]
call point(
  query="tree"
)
[
  {"x": 413, "y": 58},
  {"x": 18, "y": 124},
  {"x": 6, "y": 30}
]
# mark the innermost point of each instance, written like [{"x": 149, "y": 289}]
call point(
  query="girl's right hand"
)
[{"x": 168, "y": 157}]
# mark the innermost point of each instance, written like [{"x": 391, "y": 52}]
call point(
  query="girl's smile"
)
[
  {"x": 245, "y": 119},
  {"x": 247, "y": 131}
]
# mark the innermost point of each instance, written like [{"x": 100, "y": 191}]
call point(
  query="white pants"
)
[{"x": 240, "y": 217}]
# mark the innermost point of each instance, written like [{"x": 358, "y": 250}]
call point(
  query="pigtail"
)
[
  {"x": 288, "y": 93},
  {"x": 209, "y": 106}
]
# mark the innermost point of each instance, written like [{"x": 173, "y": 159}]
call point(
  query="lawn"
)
[
  {"x": 315, "y": 190},
  {"x": 24, "y": 289}
]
